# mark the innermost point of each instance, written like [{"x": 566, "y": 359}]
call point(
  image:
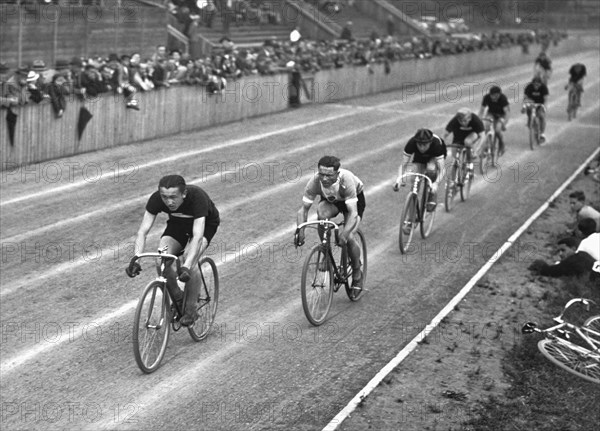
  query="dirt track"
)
[{"x": 67, "y": 305}]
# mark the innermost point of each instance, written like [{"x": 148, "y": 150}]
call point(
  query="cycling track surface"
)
[{"x": 68, "y": 226}]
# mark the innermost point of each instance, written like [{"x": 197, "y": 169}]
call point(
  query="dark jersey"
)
[
  {"x": 435, "y": 150},
  {"x": 495, "y": 108},
  {"x": 577, "y": 72},
  {"x": 196, "y": 204},
  {"x": 536, "y": 95},
  {"x": 459, "y": 133},
  {"x": 545, "y": 63}
]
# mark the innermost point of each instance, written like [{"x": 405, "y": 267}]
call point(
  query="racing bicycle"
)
[
  {"x": 327, "y": 268},
  {"x": 460, "y": 177},
  {"x": 535, "y": 125},
  {"x": 415, "y": 212},
  {"x": 490, "y": 152},
  {"x": 157, "y": 313},
  {"x": 574, "y": 100},
  {"x": 574, "y": 348}
]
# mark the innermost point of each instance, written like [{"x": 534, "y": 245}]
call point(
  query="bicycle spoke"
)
[
  {"x": 317, "y": 286},
  {"x": 572, "y": 358}
]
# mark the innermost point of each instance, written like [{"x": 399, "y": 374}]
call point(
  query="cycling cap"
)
[
  {"x": 423, "y": 136},
  {"x": 463, "y": 113},
  {"x": 495, "y": 90}
]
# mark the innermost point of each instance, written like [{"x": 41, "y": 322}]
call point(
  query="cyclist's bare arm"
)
[
  {"x": 351, "y": 221},
  {"x": 140, "y": 240},
  {"x": 405, "y": 161},
  {"x": 195, "y": 244},
  {"x": 482, "y": 110},
  {"x": 441, "y": 169},
  {"x": 301, "y": 217}
]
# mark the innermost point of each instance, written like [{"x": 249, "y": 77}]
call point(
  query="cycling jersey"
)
[
  {"x": 577, "y": 72},
  {"x": 196, "y": 204},
  {"x": 544, "y": 63},
  {"x": 346, "y": 189},
  {"x": 460, "y": 133},
  {"x": 436, "y": 149},
  {"x": 536, "y": 95},
  {"x": 496, "y": 109}
]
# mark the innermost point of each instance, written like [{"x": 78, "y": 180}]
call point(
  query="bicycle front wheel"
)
[
  {"x": 486, "y": 156},
  {"x": 317, "y": 285},
  {"x": 466, "y": 178},
  {"x": 591, "y": 328},
  {"x": 574, "y": 359},
  {"x": 151, "y": 327},
  {"x": 208, "y": 299},
  {"x": 353, "y": 293},
  {"x": 407, "y": 222},
  {"x": 534, "y": 137},
  {"x": 427, "y": 217}
]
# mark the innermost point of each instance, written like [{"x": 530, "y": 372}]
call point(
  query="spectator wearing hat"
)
[
  {"x": 9, "y": 94},
  {"x": 39, "y": 67},
  {"x": 58, "y": 89}
]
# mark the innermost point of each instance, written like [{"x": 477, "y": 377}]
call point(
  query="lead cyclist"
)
[{"x": 495, "y": 106}]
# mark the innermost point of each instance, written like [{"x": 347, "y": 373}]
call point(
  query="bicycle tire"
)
[
  {"x": 572, "y": 104},
  {"x": 450, "y": 190},
  {"x": 593, "y": 323},
  {"x": 466, "y": 179},
  {"x": 409, "y": 215},
  {"x": 571, "y": 358},
  {"x": 495, "y": 151},
  {"x": 316, "y": 287},
  {"x": 355, "y": 294},
  {"x": 208, "y": 299},
  {"x": 151, "y": 322},
  {"x": 426, "y": 217},
  {"x": 486, "y": 156},
  {"x": 534, "y": 137}
]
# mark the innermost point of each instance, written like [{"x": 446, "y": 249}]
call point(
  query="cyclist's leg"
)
[
  {"x": 326, "y": 210},
  {"x": 499, "y": 125},
  {"x": 432, "y": 173},
  {"x": 353, "y": 247},
  {"x": 174, "y": 247},
  {"x": 192, "y": 286},
  {"x": 542, "y": 117}
]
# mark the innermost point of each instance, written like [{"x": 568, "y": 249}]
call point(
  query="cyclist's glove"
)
[
  {"x": 133, "y": 269},
  {"x": 184, "y": 274}
]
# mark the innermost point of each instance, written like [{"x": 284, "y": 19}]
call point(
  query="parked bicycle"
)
[
  {"x": 573, "y": 101},
  {"x": 460, "y": 177},
  {"x": 535, "y": 125},
  {"x": 156, "y": 312},
  {"x": 574, "y": 348},
  {"x": 490, "y": 150},
  {"x": 415, "y": 212},
  {"x": 327, "y": 268}
]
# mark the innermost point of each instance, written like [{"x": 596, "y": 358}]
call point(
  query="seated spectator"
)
[
  {"x": 9, "y": 94},
  {"x": 581, "y": 210},
  {"x": 58, "y": 90},
  {"x": 160, "y": 74},
  {"x": 347, "y": 31},
  {"x": 580, "y": 263},
  {"x": 92, "y": 81}
]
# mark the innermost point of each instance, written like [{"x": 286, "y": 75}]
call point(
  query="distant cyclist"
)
[
  {"x": 537, "y": 92},
  {"x": 576, "y": 74},
  {"x": 340, "y": 191},
  {"x": 466, "y": 129},
  {"x": 542, "y": 67},
  {"x": 495, "y": 105},
  {"x": 427, "y": 152},
  {"x": 193, "y": 221}
]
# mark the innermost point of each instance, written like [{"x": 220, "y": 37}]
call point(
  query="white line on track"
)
[{"x": 412, "y": 345}]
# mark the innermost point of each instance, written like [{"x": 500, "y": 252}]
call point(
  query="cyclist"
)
[
  {"x": 427, "y": 152},
  {"x": 466, "y": 129},
  {"x": 536, "y": 92},
  {"x": 341, "y": 192},
  {"x": 495, "y": 105},
  {"x": 193, "y": 221},
  {"x": 542, "y": 67},
  {"x": 576, "y": 74}
]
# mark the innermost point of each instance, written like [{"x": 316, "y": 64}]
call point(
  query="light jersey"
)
[
  {"x": 591, "y": 245},
  {"x": 345, "y": 189}
]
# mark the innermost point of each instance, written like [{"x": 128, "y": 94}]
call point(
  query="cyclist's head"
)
[
  {"x": 464, "y": 116},
  {"x": 423, "y": 138},
  {"x": 170, "y": 181},
  {"x": 330, "y": 162},
  {"x": 495, "y": 90},
  {"x": 536, "y": 80},
  {"x": 328, "y": 170}
]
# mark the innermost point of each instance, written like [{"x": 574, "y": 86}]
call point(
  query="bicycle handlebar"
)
[
  {"x": 411, "y": 174},
  {"x": 157, "y": 254},
  {"x": 534, "y": 105},
  {"x": 301, "y": 226}
]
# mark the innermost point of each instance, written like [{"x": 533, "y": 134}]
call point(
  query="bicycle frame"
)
[{"x": 416, "y": 189}]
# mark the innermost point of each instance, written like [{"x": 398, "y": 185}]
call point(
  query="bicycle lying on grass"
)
[
  {"x": 460, "y": 178},
  {"x": 156, "y": 312},
  {"x": 581, "y": 358},
  {"x": 415, "y": 212},
  {"x": 327, "y": 268}
]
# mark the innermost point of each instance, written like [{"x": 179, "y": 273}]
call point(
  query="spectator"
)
[
  {"x": 581, "y": 262},
  {"x": 39, "y": 67},
  {"x": 347, "y": 32},
  {"x": 583, "y": 211},
  {"x": 9, "y": 94},
  {"x": 58, "y": 90}
]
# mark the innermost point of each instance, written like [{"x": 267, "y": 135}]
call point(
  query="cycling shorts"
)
[
  {"x": 360, "y": 205},
  {"x": 182, "y": 233}
]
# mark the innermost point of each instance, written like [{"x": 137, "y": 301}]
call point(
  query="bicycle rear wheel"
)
[
  {"x": 573, "y": 104},
  {"x": 317, "y": 285},
  {"x": 353, "y": 293},
  {"x": 208, "y": 299},
  {"x": 407, "y": 222},
  {"x": 591, "y": 328},
  {"x": 151, "y": 327},
  {"x": 427, "y": 217},
  {"x": 572, "y": 358}
]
